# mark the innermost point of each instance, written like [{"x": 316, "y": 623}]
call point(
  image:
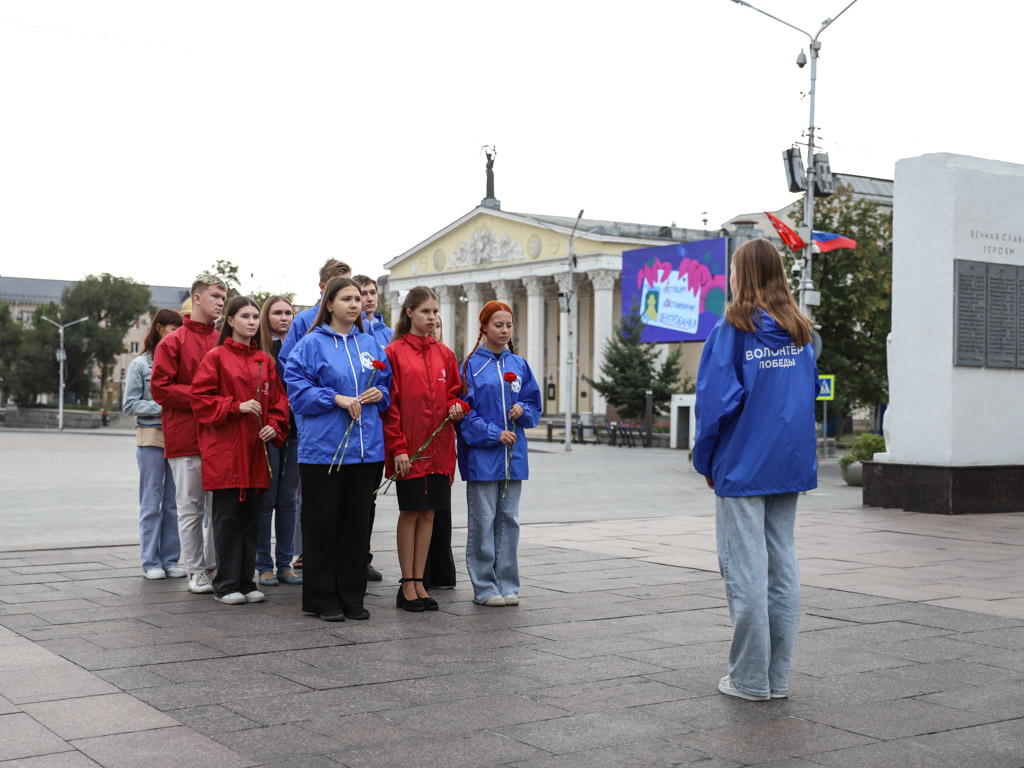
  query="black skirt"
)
[{"x": 424, "y": 493}]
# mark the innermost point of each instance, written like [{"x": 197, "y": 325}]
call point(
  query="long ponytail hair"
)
[
  {"x": 761, "y": 284},
  {"x": 485, "y": 317},
  {"x": 413, "y": 299},
  {"x": 334, "y": 285}
]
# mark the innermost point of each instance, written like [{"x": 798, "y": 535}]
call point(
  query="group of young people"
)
[
  {"x": 335, "y": 399},
  {"x": 254, "y": 418}
]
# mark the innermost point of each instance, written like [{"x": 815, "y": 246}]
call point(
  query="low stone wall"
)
[{"x": 46, "y": 418}]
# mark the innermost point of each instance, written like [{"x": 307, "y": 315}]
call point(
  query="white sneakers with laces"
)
[{"x": 200, "y": 584}]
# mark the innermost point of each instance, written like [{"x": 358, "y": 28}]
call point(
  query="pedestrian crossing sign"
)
[{"x": 826, "y": 387}]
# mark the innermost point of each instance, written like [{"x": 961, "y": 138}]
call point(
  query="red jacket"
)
[
  {"x": 175, "y": 362},
  {"x": 229, "y": 444},
  {"x": 425, "y": 383}
]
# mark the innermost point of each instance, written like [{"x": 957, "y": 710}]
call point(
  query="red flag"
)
[{"x": 789, "y": 237}]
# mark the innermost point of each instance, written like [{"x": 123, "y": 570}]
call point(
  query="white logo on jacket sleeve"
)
[
  {"x": 516, "y": 385},
  {"x": 366, "y": 361}
]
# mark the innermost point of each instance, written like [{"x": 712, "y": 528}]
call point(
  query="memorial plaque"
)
[
  {"x": 970, "y": 293},
  {"x": 1020, "y": 317},
  {"x": 1001, "y": 327}
]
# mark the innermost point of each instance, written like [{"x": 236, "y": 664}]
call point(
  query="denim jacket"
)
[{"x": 137, "y": 399}]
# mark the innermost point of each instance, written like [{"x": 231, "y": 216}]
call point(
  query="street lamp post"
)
[
  {"x": 61, "y": 357},
  {"x": 570, "y": 378},
  {"x": 807, "y": 227}
]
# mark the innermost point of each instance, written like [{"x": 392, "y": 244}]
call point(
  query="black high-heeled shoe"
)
[
  {"x": 429, "y": 603},
  {"x": 414, "y": 606}
]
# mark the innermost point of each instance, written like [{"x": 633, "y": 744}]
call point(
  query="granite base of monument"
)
[{"x": 944, "y": 490}]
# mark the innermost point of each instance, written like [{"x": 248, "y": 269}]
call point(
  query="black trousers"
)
[
  {"x": 373, "y": 512},
  {"x": 440, "y": 568},
  {"x": 335, "y": 534},
  {"x": 235, "y": 517}
]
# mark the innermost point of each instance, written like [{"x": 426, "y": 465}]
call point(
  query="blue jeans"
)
[
  {"x": 492, "y": 538},
  {"x": 158, "y": 513},
  {"x": 757, "y": 559},
  {"x": 281, "y": 497}
]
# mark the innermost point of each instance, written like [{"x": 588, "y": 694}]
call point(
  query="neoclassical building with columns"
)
[{"x": 522, "y": 260}]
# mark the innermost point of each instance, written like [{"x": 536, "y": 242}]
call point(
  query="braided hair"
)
[{"x": 485, "y": 316}]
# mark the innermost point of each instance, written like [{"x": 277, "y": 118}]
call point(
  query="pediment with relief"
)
[{"x": 485, "y": 248}]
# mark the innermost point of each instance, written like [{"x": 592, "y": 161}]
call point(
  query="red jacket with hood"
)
[
  {"x": 232, "y": 452},
  {"x": 425, "y": 383},
  {"x": 175, "y": 362}
]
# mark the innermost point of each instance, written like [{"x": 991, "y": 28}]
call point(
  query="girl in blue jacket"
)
[
  {"x": 338, "y": 381},
  {"x": 755, "y": 446},
  {"x": 505, "y": 401}
]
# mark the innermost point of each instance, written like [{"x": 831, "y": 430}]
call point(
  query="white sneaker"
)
[
  {"x": 156, "y": 573},
  {"x": 511, "y": 599},
  {"x": 232, "y": 598},
  {"x": 495, "y": 601},
  {"x": 725, "y": 686},
  {"x": 199, "y": 584},
  {"x": 255, "y": 596},
  {"x": 175, "y": 572}
]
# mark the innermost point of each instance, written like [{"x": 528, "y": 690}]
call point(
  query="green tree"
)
[
  {"x": 630, "y": 368},
  {"x": 856, "y": 300},
  {"x": 11, "y": 339},
  {"x": 260, "y": 297},
  {"x": 113, "y": 305},
  {"x": 228, "y": 272}
]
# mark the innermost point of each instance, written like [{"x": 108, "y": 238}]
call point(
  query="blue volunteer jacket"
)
[
  {"x": 481, "y": 455},
  {"x": 323, "y": 364},
  {"x": 755, "y": 411},
  {"x": 376, "y": 327}
]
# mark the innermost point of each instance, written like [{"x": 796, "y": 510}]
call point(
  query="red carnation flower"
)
[
  {"x": 510, "y": 377},
  {"x": 379, "y": 365}
]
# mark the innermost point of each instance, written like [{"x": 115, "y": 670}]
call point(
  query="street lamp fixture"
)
[
  {"x": 808, "y": 296},
  {"x": 565, "y": 304},
  {"x": 61, "y": 357}
]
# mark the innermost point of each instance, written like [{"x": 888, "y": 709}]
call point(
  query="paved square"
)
[{"x": 910, "y": 650}]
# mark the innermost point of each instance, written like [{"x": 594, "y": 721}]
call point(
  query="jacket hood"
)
[
  {"x": 485, "y": 354},
  {"x": 769, "y": 332},
  {"x": 196, "y": 327},
  {"x": 418, "y": 342},
  {"x": 328, "y": 331},
  {"x": 241, "y": 349}
]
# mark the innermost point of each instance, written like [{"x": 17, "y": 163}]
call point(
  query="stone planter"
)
[{"x": 853, "y": 473}]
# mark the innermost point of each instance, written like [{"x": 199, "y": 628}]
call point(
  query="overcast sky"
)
[{"x": 149, "y": 139}]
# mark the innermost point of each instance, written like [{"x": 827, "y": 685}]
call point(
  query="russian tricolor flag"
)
[{"x": 830, "y": 241}]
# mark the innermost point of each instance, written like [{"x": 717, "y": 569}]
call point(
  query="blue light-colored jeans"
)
[
  {"x": 492, "y": 538},
  {"x": 281, "y": 498},
  {"x": 757, "y": 559},
  {"x": 158, "y": 513}
]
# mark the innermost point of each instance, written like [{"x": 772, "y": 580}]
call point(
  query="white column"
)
[
  {"x": 535, "y": 327},
  {"x": 394, "y": 307},
  {"x": 504, "y": 290},
  {"x": 603, "y": 281},
  {"x": 564, "y": 382},
  {"x": 447, "y": 299},
  {"x": 475, "y": 296}
]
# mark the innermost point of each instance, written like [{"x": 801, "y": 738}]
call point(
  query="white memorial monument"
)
[{"x": 955, "y": 424}]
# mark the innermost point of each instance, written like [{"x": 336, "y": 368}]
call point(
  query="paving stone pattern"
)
[{"x": 612, "y": 659}]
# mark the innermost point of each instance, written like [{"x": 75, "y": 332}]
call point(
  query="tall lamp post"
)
[
  {"x": 61, "y": 357},
  {"x": 807, "y": 227},
  {"x": 565, "y": 299}
]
